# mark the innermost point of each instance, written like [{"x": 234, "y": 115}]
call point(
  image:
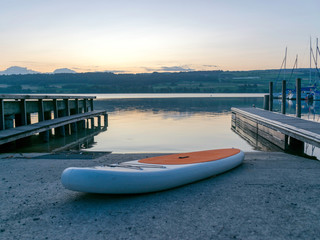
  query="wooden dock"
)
[
  {"x": 288, "y": 133},
  {"x": 14, "y": 134},
  {"x": 65, "y": 114}
]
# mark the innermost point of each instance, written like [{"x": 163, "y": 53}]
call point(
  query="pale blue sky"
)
[{"x": 140, "y": 36}]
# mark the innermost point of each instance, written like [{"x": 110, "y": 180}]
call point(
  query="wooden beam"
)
[
  {"x": 270, "y": 96},
  {"x": 55, "y": 108},
  {"x": 77, "y": 105},
  {"x": 41, "y": 111},
  {"x": 26, "y": 96},
  {"x": 67, "y": 107},
  {"x": 85, "y": 105},
  {"x": 23, "y": 107},
  {"x": 91, "y": 104}
]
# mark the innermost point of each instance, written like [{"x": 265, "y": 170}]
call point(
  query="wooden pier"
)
[
  {"x": 65, "y": 114},
  {"x": 288, "y": 133}
]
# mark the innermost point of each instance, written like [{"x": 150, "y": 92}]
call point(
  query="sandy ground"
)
[{"x": 270, "y": 196}]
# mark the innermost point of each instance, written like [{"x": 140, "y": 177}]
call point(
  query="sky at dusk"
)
[{"x": 149, "y": 35}]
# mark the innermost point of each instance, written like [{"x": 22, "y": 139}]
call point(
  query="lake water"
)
[{"x": 170, "y": 122}]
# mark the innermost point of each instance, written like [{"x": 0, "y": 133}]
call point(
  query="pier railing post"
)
[
  {"x": 99, "y": 121},
  {"x": 283, "y": 98},
  {"x": 41, "y": 110},
  {"x": 106, "y": 120},
  {"x": 77, "y": 106},
  {"x": 67, "y": 107},
  {"x": 85, "y": 105},
  {"x": 55, "y": 108},
  {"x": 23, "y": 107},
  {"x": 91, "y": 104},
  {"x": 298, "y": 97},
  {"x": 270, "y": 96},
  {"x": 266, "y": 102}
]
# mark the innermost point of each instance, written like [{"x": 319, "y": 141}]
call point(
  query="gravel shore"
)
[{"x": 270, "y": 196}]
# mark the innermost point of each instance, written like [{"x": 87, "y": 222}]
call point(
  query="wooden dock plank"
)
[
  {"x": 44, "y": 96},
  {"x": 13, "y": 134},
  {"x": 301, "y": 129}
]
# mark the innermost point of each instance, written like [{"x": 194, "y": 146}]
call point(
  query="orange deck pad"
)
[{"x": 192, "y": 157}]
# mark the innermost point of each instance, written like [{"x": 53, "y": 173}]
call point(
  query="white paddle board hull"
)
[{"x": 136, "y": 177}]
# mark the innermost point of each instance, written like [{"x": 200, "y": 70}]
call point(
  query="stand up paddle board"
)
[{"x": 151, "y": 174}]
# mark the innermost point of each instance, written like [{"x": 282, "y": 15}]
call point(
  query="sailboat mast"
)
[
  {"x": 317, "y": 49},
  {"x": 285, "y": 65},
  {"x": 310, "y": 61}
]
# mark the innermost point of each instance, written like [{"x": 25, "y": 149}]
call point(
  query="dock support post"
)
[
  {"x": 24, "y": 111},
  {"x": 21, "y": 118},
  {"x": 266, "y": 102},
  {"x": 99, "y": 121},
  {"x": 41, "y": 117},
  {"x": 284, "y": 96},
  {"x": 46, "y": 134},
  {"x": 85, "y": 105},
  {"x": 298, "y": 97},
  {"x": 67, "y": 113},
  {"x": 74, "y": 127},
  {"x": 61, "y": 131},
  {"x": 67, "y": 107},
  {"x": 77, "y": 106},
  {"x": 56, "y": 114},
  {"x": 41, "y": 111},
  {"x": 2, "y": 121},
  {"x": 295, "y": 146},
  {"x": 92, "y": 123},
  {"x": 105, "y": 120},
  {"x": 8, "y": 123},
  {"x": 81, "y": 124},
  {"x": 55, "y": 108},
  {"x": 28, "y": 118},
  {"x": 270, "y": 96},
  {"x": 91, "y": 104},
  {"x": 8, "y": 120}
]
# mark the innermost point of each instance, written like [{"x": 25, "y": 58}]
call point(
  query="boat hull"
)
[{"x": 141, "y": 177}]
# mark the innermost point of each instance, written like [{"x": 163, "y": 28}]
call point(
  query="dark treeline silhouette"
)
[{"x": 179, "y": 82}]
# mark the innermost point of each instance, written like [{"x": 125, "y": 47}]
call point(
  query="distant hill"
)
[
  {"x": 23, "y": 70},
  {"x": 17, "y": 70},
  {"x": 64, "y": 70}
]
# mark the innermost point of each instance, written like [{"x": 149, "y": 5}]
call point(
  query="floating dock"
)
[
  {"x": 288, "y": 133},
  {"x": 65, "y": 114}
]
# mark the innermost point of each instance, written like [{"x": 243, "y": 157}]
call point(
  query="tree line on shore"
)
[{"x": 178, "y": 82}]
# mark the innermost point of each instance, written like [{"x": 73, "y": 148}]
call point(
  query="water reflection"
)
[
  {"x": 79, "y": 140},
  {"x": 309, "y": 109},
  {"x": 170, "y": 124},
  {"x": 181, "y": 105}
]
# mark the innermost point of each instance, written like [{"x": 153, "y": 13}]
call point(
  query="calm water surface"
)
[{"x": 171, "y": 122}]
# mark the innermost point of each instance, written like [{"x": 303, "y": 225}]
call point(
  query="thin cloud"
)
[
  {"x": 116, "y": 71},
  {"x": 211, "y": 66},
  {"x": 170, "y": 69}
]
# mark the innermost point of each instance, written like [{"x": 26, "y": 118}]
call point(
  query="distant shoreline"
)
[{"x": 209, "y": 82}]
